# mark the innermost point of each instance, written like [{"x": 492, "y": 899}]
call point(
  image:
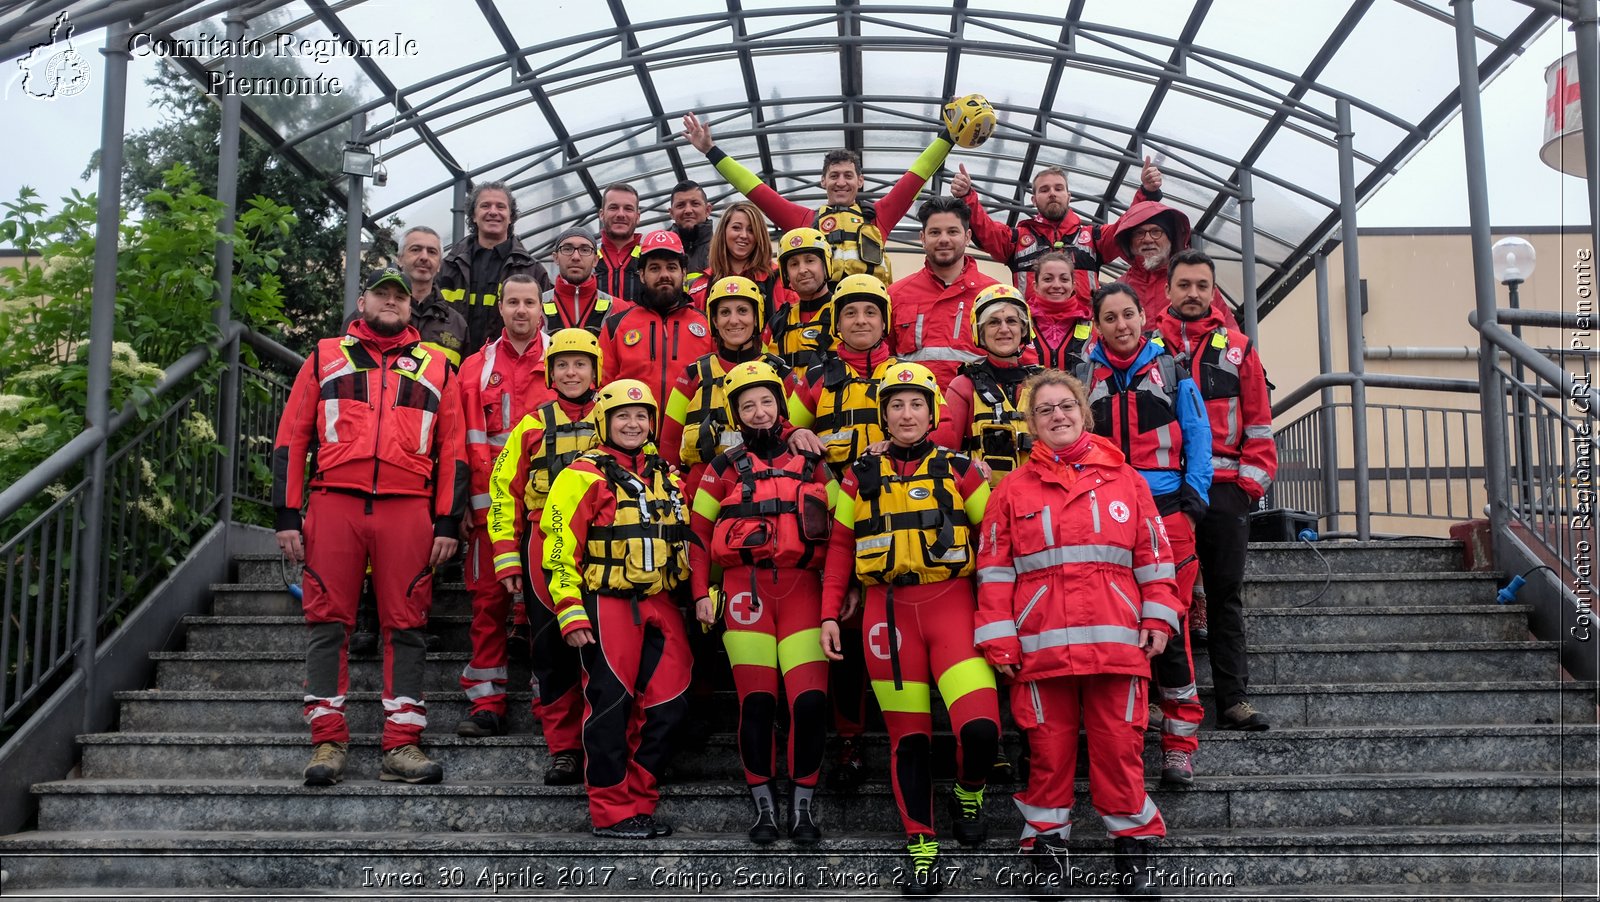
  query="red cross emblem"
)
[
  {"x": 731, "y": 288},
  {"x": 742, "y": 611},
  {"x": 905, "y": 376},
  {"x": 1564, "y": 95},
  {"x": 796, "y": 241},
  {"x": 877, "y": 640},
  {"x": 635, "y": 394}
]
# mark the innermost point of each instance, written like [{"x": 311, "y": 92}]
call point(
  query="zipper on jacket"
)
[
  {"x": 1133, "y": 699},
  {"x": 1028, "y": 609},
  {"x": 955, "y": 330},
  {"x": 1127, "y": 428},
  {"x": 377, "y": 427},
  {"x": 1038, "y": 706},
  {"x": 1126, "y": 600},
  {"x": 1094, "y": 509}
]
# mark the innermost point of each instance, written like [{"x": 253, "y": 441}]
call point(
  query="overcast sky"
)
[{"x": 49, "y": 143}]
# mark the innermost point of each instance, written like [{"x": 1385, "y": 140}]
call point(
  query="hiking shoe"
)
[
  {"x": 1130, "y": 861},
  {"x": 636, "y": 827},
  {"x": 566, "y": 769},
  {"x": 1156, "y": 717},
  {"x": 407, "y": 764},
  {"x": 480, "y": 724},
  {"x": 327, "y": 763},
  {"x": 966, "y": 812},
  {"x": 849, "y": 769},
  {"x": 1242, "y": 716},
  {"x": 923, "y": 878},
  {"x": 1050, "y": 860},
  {"x": 765, "y": 830},
  {"x": 1199, "y": 630},
  {"x": 658, "y": 828},
  {"x": 1177, "y": 768},
  {"x": 803, "y": 827}
]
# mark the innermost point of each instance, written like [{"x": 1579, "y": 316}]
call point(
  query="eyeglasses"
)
[
  {"x": 575, "y": 250},
  {"x": 1045, "y": 411},
  {"x": 1151, "y": 231}
]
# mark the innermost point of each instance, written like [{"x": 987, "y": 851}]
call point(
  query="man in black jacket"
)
[
  {"x": 474, "y": 267},
  {"x": 691, "y": 220}
]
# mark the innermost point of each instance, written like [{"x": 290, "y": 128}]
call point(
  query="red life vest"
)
[
  {"x": 1141, "y": 415},
  {"x": 781, "y": 517}
]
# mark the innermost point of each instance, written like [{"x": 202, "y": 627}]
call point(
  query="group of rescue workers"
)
[{"x": 853, "y": 481}]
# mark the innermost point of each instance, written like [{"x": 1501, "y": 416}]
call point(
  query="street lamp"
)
[
  {"x": 1513, "y": 264},
  {"x": 358, "y": 160}
]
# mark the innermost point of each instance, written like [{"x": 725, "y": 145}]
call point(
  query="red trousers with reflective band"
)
[
  {"x": 1173, "y": 669},
  {"x": 342, "y": 532},
  {"x": 1113, "y": 709},
  {"x": 634, "y": 678},
  {"x": 557, "y": 672},
  {"x": 772, "y": 634},
  {"x": 484, "y": 678},
  {"x": 934, "y": 626}
]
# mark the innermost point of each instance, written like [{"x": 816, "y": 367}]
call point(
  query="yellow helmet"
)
[
  {"x": 619, "y": 394},
  {"x": 916, "y": 376},
  {"x": 750, "y": 375},
  {"x": 726, "y": 287},
  {"x": 969, "y": 120},
  {"x": 994, "y": 296},
  {"x": 573, "y": 341},
  {"x": 860, "y": 287},
  {"x": 804, "y": 241}
]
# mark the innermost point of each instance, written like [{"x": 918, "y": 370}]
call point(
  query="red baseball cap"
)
[{"x": 662, "y": 241}]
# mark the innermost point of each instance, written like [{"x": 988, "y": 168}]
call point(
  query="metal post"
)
[
  {"x": 102, "y": 324},
  {"x": 1520, "y": 415},
  {"x": 352, "y": 226},
  {"x": 1247, "y": 253},
  {"x": 1354, "y": 328},
  {"x": 1492, "y": 397},
  {"x": 458, "y": 213},
  {"x": 1584, "y": 29},
  {"x": 228, "y": 194},
  {"x": 1329, "y": 424}
]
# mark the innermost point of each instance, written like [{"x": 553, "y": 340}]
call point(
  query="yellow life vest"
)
[
  {"x": 564, "y": 441},
  {"x": 708, "y": 429},
  {"x": 644, "y": 550},
  {"x": 856, "y": 240},
  {"x": 999, "y": 432},
  {"x": 847, "y": 410},
  {"x": 801, "y": 344},
  {"x": 910, "y": 530}
]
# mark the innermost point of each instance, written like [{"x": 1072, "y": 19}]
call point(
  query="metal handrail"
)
[{"x": 1525, "y": 354}]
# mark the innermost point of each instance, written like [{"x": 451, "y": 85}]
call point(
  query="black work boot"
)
[
  {"x": 803, "y": 827},
  {"x": 765, "y": 830},
  {"x": 1131, "y": 861}
]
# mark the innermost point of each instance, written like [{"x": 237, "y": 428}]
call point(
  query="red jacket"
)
[
  {"x": 569, "y": 306},
  {"x": 1233, "y": 383},
  {"x": 498, "y": 388},
  {"x": 654, "y": 347},
  {"x": 1151, "y": 284},
  {"x": 1020, "y": 248},
  {"x": 378, "y": 416},
  {"x": 1062, "y": 333},
  {"x": 932, "y": 322},
  {"x": 1072, "y": 563}
]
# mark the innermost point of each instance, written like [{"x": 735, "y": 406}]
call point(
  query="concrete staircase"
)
[{"x": 1422, "y": 743}]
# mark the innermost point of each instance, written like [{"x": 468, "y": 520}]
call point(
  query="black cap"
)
[{"x": 388, "y": 274}]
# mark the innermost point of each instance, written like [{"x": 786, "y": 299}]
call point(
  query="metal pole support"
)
[
  {"x": 458, "y": 213},
  {"x": 1354, "y": 328},
  {"x": 354, "y": 207},
  {"x": 1328, "y": 425},
  {"x": 1249, "y": 319},
  {"x": 228, "y": 194}
]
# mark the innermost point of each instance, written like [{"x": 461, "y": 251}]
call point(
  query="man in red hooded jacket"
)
[
  {"x": 1244, "y": 459},
  {"x": 1148, "y": 235}
]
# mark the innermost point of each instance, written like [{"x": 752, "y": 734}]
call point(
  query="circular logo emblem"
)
[
  {"x": 494, "y": 379},
  {"x": 811, "y": 333},
  {"x": 407, "y": 364},
  {"x": 742, "y": 611},
  {"x": 635, "y": 394},
  {"x": 919, "y": 493},
  {"x": 878, "y": 640},
  {"x": 697, "y": 330},
  {"x": 632, "y": 338},
  {"x": 1119, "y": 512},
  {"x": 732, "y": 288},
  {"x": 1155, "y": 376},
  {"x": 1025, "y": 239},
  {"x": 827, "y": 225},
  {"x": 905, "y": 376},
  {"x": 1235, "y": 356},
  {"x": 796, "y": 241}
]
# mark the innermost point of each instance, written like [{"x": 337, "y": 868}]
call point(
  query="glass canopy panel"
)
[
  {"x": 442, "y": 42},
  {"x": 552, "y": 29},
  {"x": 902, "y": 72},
  {"x": 515, "y": 125},
  {"x": 1221, "y": 128},
  {"x": 800, "y": 74},
  {"x": 1410, "y": 44},
  {"x": 699, "y": 84},
  {"x": 1160, "y": 17},
  {"x": 1235, "y": 27}
]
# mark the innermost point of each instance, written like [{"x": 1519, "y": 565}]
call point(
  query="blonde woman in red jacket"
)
[{"x": 1075, "y": 595}]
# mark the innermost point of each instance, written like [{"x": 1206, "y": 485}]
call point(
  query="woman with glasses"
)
[{"x": 1075, "y": 595}]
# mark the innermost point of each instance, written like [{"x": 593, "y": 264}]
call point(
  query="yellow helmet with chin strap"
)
[
  {"x": 572, "y": 341},
  {"x": 750, "y": 375},
  {"x": 619, "y": 394},
  {"x": 969, "y": 120},
  {"x": 902, "y": 376},
  {"x": 994, "y": 296},
  {"x": 860, "y": 287},
  {"x": 804, "y": 241}
]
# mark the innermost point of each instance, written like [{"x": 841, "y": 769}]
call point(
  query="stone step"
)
[
  {"x": 1269, "y": 664},
  {"x": 1267, "y": 626},
  {"x": 1522, "y": 861},
  {"x": 1257, "y": 802},
  {"x": 1370, "y": 589},
  {"x": 1349, "y": 750},
  {"x": 1376, "y": 556},
  {"x": 1315, "y": 705}
]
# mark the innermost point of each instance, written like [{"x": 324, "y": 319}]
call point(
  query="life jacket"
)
[
  {"x": 1142, "y": 416},
  {"x": 565, "y": 440},
  {"x": 847, "y": 410},
  {"x": 999, "y": 432},
  {"x": 591, "y": 322},
  {"x": 781, "y": 517},
  {"x": 643, "y": 550},
  {"x": 910, "y": 530},
  {"x": 856, "y": 240},
  {"x": 358, "y": 419},
  {"x": 1037, "y": 237},
  {"x": 1070, "y": 354},
  {"x": 708, "y": 428},
  {"x": 801, "y": 344},
  {"x": 1218, "y": 376}
]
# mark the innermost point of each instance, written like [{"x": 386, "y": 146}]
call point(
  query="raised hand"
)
[
  {"x": 961, "y": 184},
  {"x": 1149, "y": 176},
  {"x": 698, "y": 133}
]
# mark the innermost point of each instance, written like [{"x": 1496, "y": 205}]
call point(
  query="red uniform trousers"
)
[
  {"x": 1173, "y": 669},
  {"x": 1114, "y": 709},
  {"x": 342, "y": 532},
  {"x": 484, "y": 678},
  {"x": 934, "y": 626},
  {"x": 557, "y": 672},
  {"x": 772, "y": 619},
  {"x": 635, "y": 674}
]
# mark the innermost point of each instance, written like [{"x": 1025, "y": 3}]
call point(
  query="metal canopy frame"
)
[{"x": 559, "y": 182}]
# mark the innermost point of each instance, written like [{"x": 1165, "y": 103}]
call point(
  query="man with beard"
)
[
  {"x": 663, "y": 332},
  {"x": 1054, "y": 227},
  {"x": 576, "y": 301},
  {"x": 619, "y": 264},
  {"x": 933, "y": 306},
  {"x": 442, "y": 328},
  {"x": 380, "y": 417},
  {"x": 1148, "y": 235},
  {"x": 476, "y": 266},
  {"x": 691, "y": 222}
]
